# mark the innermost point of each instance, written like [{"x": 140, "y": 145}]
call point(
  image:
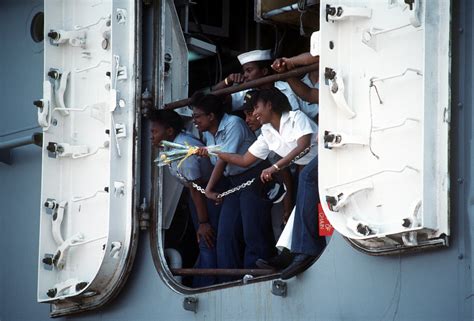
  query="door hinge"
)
[{"x": 144, "y": 215}]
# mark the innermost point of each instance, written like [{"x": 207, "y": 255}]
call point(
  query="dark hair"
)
[
  {"x": 167, "y": 118},
  {"x": 209, "y": 104},
  {"x": 250, "y": 100},
  {"x": 279, "y": 101}
]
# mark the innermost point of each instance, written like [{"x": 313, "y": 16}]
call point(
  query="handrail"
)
[
  {"x": 36, "y": 138},
  {"x": 6, "y": 146},
  {"x": 249, "y": 85},
  {"x": 222, "y": 272}
]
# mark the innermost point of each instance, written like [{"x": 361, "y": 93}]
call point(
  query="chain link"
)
[
  {"x": 236, "y": 188},
  {"x": 203, "y": 191}
]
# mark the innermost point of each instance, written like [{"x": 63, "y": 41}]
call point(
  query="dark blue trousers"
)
[
  {"x": 207, "y": 256},
  {"x": 245, "y": 226},
  {"x": 306, "y": 239}
]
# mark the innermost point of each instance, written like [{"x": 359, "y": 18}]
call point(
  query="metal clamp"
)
[
  {"x": 345, "y": 12},
  {"x": 341, "y": 199},
  {"x": 336, "y": 85},
  {"x": 76, "y": 38},
  {"x": 58, "y": 216},
  {"x": 59, "y": 259},
  {"x": 70, "y": 286},
  {"x": 337, "y": 140}
]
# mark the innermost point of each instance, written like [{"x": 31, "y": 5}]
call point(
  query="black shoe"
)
[
  {"x": 300, "y": 263},
  {"x": 277, "y": 262}
]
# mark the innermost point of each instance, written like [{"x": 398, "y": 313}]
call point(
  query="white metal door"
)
[
  {"x": 88, "y": 230},
  {"x": 384, "y": 121}
]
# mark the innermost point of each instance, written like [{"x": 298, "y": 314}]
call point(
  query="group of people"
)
[{"x": 234, "y": 229}]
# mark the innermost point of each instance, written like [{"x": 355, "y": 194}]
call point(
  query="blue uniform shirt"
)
[
  {"x": 310, "y": 109},
  {"x": 234, "y": 136},
  {"x": 193, "y": 167}
]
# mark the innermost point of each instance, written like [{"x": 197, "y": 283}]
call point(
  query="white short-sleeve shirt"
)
[{"x": 293, "y": 125}]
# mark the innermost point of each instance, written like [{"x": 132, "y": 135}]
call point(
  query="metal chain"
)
[
  {"x": 202, "y": 190},
  {"x": 236, "y": 188}
]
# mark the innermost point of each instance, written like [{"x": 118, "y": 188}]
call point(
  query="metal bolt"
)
[
  {"x": 461, "y": 30},
  {"x": 461, "y": 256},
  {"x": 460, "y": 105},
  {"x": 53, "y": 74},
  {"x": 38, "y": 103},
  {"x": 53, "y": 35},
  {"x": 460, "y": 180},
  {"x": 105, "y": 44}
]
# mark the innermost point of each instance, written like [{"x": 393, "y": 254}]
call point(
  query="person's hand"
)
[
  {"x": 213, "y": 196},
  {"x": 202, "y": 151},
  {"x": 266, "y": 174},
  {"x": 206, "y": 233},
  {"x": 279, "y": 65},
  {"x": 286, "y": 216},
  {"x": 234, "y": 79},
  {"x": 283, "y": 65}
]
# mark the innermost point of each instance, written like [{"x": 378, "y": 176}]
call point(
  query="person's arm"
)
[
  {"x": 303, "y": 91},
  {"x": 215, "y": 177},
  {"x": 285, "y": 64},
  {"x": 236, "y": 159},
  {"x": 229, "y": 81},
  {"x": 301, "y": 144},
  {"x": 204, "y": 230}
]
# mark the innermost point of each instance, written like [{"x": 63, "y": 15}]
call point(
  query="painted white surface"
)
[
  {"x": 390, "y": 162},
  {"x": 89, "y": 114}
]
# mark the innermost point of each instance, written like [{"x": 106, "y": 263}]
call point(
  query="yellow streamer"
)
[{"x": 191, "y": 151}]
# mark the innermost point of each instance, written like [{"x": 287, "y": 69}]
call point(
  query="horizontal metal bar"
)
[
  {"x": 36, "y": 138},
  {"x": 250, "y": 84},
  {"x": 222, "y": 272},
  {"x": 5, "y": 134},
  {"x": 279, "y": 11}
]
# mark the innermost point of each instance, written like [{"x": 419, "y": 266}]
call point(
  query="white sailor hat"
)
[{"x": 255, "y": 55}]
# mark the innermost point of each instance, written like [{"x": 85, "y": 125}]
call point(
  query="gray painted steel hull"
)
[{"x": 343, "y": 285}]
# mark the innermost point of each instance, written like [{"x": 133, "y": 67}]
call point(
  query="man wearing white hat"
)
[{"x": 255, "y": 65}]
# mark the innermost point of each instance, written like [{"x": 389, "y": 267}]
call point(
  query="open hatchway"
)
[
  {"x": 88, "y": 229},
  {"x": 197, "y": 46},
  {"x": 384, "y": 106}
]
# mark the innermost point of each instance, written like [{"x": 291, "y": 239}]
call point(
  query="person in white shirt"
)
[
  {"x": 293, "y": 136},
  {"x": 256, "y": 64}
]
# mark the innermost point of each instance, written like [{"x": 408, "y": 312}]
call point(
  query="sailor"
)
[
  {"x": 245, "y": 232},
  {"x": 256, "y": 64},
  {"x": 168, "y": 125},
  {"x": 290, "y": 134}
]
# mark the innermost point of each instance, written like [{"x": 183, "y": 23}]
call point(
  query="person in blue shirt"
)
[
  {"x": 168, "y": 125},
  {"x": 245, "y": 231}
]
